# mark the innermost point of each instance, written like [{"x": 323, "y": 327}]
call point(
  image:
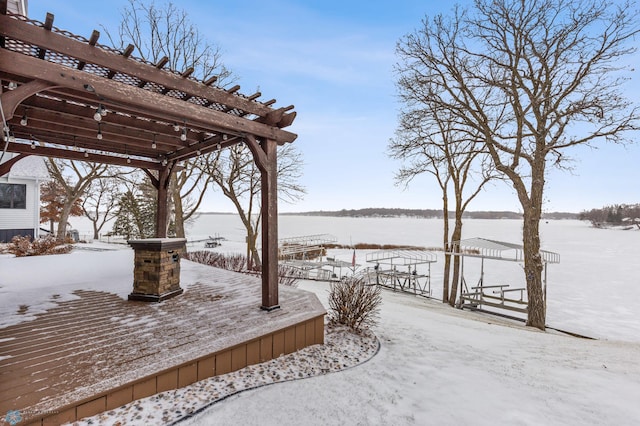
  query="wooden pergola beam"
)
[
  {"x": 125, "y": 94},
  {"x": 78, "y": 155},
  {"x": 6, "y": 166},
  {"x": 83, "y": 52}
]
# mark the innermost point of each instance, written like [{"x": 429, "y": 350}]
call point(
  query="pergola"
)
[{"x": 69, "y": 97}]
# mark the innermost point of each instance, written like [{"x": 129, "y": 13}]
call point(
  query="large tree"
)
[
  {"x": 73, "y": 179},
  {"x": 53, "y": 201},
  {"x": 158, "y": 31},
  {"x": 533, "y": 78}
]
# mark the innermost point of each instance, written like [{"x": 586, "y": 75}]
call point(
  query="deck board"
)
[{"x": 99, "y": 343}]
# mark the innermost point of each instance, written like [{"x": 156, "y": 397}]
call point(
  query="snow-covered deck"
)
[{"x": 95, "y": 351}]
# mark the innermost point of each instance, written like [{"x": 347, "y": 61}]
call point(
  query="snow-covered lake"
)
[{"x": 592, "y": 291}]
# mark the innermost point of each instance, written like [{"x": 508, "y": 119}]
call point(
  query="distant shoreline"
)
[{"x": 416, "y": 213}]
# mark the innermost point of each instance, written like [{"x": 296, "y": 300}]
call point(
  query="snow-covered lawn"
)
[{"x": 442, "y": 366}]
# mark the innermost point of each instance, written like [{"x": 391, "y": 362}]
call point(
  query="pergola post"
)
[
  {"x": 162, "y": 213},
  {"x": 265, "y": 156},
  {"x": 161, "y": 184},
  {"x": 269, "y": 194}
]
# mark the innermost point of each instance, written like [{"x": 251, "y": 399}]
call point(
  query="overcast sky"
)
[{"x": 333, "y": 60}]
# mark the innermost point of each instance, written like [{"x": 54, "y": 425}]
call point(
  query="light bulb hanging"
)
[
  {"x": 24, "y": 121},
  {"x": 99, "y": 113},
  {"x": 153, "y": 144},
  {"x": 183, "y": 136},
  {"x": 99, "y": 135}
]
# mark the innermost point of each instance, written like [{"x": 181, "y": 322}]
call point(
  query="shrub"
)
[
  {"x": 231, "y": 262},
  {"x": 23, "y": 246},
  {"x": 354, "y": 303},
  {"x": 238, "y": 263}
]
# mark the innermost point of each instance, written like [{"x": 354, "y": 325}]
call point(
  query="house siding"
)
[{"x": 21, "y": 221}]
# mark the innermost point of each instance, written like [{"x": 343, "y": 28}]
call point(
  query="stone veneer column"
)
[{"x": 156, "y": 272}]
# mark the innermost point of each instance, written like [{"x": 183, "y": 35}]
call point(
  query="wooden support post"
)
[
  {"x": 269, "y": 193},
  {"x": 162, "y": 213},
  {"x": 265, "y": 156},
  {"x": 161, "y": 183}
]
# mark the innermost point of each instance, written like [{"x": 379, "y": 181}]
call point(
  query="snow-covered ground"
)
[
  {"x": 442, "y": 366},
  {"x": 436, "y": 365}
]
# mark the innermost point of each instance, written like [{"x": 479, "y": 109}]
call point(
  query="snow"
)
[
  {"x": 442, "y": 366},
  {"x": 39, "y": 282},
  {"x": 436, "y": 365}
]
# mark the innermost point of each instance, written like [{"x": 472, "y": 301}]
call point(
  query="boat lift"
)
[
  {"x": 298, "y": 253},
  {"x": 500, "y": 295},
  {"x": 388, "y": 270}
]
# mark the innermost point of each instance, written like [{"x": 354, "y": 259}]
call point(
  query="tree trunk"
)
[
  {"x": 64, "y": 218},
  {"x": 533, "y": 265},
  {"x": 456, "y": 236},
  {"x": 446, "y": 246}
]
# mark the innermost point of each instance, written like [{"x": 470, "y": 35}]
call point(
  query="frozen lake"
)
[{"x": 591, "y": 291}]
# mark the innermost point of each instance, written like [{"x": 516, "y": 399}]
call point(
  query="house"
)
[
  {"x": 20, "y": 197},
  {"x": 17, "y": 6}
]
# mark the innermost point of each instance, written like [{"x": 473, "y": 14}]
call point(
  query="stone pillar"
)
[{"x": 156, "y": 272}]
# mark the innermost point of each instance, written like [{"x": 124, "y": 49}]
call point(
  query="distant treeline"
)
[
  {"x": 617, "y": 214},
  {"x": 427, "y": 213}
]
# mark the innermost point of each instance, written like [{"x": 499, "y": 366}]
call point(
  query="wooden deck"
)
[{"x": 99, "y": 351}]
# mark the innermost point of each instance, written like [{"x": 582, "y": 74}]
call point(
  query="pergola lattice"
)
[{"x": 54, "y": 85}]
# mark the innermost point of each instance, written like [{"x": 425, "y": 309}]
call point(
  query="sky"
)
[{"x": 333, "y": 60}]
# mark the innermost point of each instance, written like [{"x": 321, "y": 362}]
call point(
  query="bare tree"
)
[
  {"x": 74, "y": 178},
  {"x": 533, "y": 79},
  {"x": 236, "y": 174},
  {"x": 430, "y": 141},
  {"x": 166, "y": 31},
  {"x": 100, "y": 203}
]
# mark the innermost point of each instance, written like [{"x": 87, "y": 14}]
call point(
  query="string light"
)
[
  {"x": 128, "y": 160},
  {"x": 176, "y": 127},
  {"x": 33, "y": 144},
  {"x": 153, "y": 144},
  {"x": 100, "y": 112},
  {"x": 86, "y": 154},
  {"x": 183, "y": 136},
  {"x": 99, "y": 135},
  {"x": 24, "y": 121},
  {"x": 224, "y": 137},
  {"x": 219, "y": 146}
]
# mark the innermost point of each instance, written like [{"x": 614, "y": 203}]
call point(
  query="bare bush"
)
[
  {"x": 24, "y": 246},
  {"x": 288, "y": 276},
  {"x": 231, "y": 262},
  {"x": 354, "y": 303},
  {"x": 237, "y": 262}
]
